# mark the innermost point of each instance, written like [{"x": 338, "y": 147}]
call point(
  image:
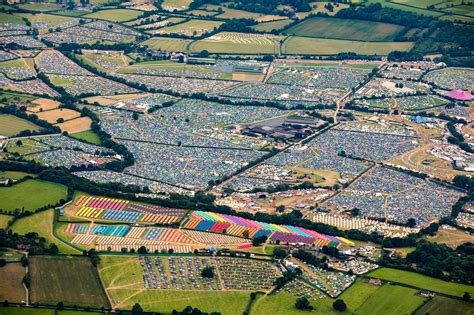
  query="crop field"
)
[
  {"x": 11, "y": 288},
  {"x": 31, "y": 195},
  {"x": 72, "y": 280},
  {"x": 345, "y": 29},
  {"x": 76, "y": 125},
  {"x": 296, "y": 45},
  {"x": 273, "y": 25},
  {"x": 167, "y": 44},
  {"x": 41, "y": 223},
  {"x": 11, "y": 125},
  {"x": 171, "y": 5},
  {"x": 191, "y": 28},
  {"x": 441, "y": 305},
  {"x": 42, "y": 104},
  {"x": 52, "y": 116},
  {"x": 422, "y": 281},
  {"x": 88, "y": 136},
  {"x": 238, "y": 43},
  {"x": 115, "y": 15}
]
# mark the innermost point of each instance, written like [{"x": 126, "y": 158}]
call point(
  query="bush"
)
[{"x": 339, "y": 305}]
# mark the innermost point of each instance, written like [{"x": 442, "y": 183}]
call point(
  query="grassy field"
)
[
  {"x": 345, "y": 29},
  {"x": 16, "y": 97},
  {"x": 72, "y": 280},
  {"x": 191, "y": 27},
  {"x": 441, "y": 305},
  {"x": 10, "y": 18},
  {"x": 39, "y": 311},
  {"x": 41, "y": 223},
  {"x": 46, "y": 18},
  {"x": 14, "y": 174},
  {"x": 72, "y": 13},
  {"x": 171, "y": 5},
  {"x": 115, "y": 15},
  {"x": 31, "y": 195},
  {"x": 40, "y": 7},
  {"x": 89, "y": 136},
  {"x": 122, "y": 277},
  {"x": 11, "y": 125},
  {"x": 11, "y": 289},
  {"x": 418, "y": 3},
  {"x": 4, "y": 220},
  {"x": 296, "y": 45},
  {"x": 404, "y": 7},
  {"x": 421, "y": 281},
  {"x": 238, "y": 43},
  {"x": 451, "y": 237},
  {"x": 232, "y": 13},
  {"x": 273, "y": 25},
  {"x": 167, "y": 44}
]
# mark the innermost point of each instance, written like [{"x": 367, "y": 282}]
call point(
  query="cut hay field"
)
[
  {"x": 88, "y": 136},
  {"x": 76, "y": 125},
  {"x": 167, "y": 44},
  {"x": 324, "y": 27},
  {"x": 421, "y": 281},
  {"x": 191, "y": 28},
  {"x": 273, "y": 25},
  {"x": 72, "y": 280},
  {"x": 11, "y": 288},
  {"x": 52, "y": 116},
  {"x": 41, "y": 223},
  {"x": 42, "y": 104},
  {"x": 115, "y": 15},
  {"x": 11, "y": 125},
  {"x": 171, "y": 5},
  {"x": 238, "y": 43},
  {"x": 31, "y": 195},
  {"x": 441, "y": 305},
  {"x": 122, "y": 276},
  {"x": 296, "y": 45}
]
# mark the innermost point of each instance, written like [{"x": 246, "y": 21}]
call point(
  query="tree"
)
[
  {"x": 208, "y": 272},
  {"x": 3, "y": 262},
  {"x": 135, "y": 116},
  {"x": 24, "y": 261},
  {"x": 60, "y": 306},
  {"x": 411, "y": 222},
  {"x": 466, "y": 297},
  {"x": 302, "y": 303},
  {"x": 280, "y": 208},
  {"x": 137, "y": 309},
  {"x": 142, "y": 250},
  {"x": 19, "y": 143},
  {"x": 60, "y": 120},
  {"x": 339, "y": 305},
  {"x": 259, "y": 240},
  {"x": 53, "y": 249}
]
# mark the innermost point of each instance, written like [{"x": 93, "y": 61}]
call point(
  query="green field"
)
[
  {"x": 191, "y": 27},
  {"x": 171, "y": 5},
  {"x": 296, "y": 45},
  {"x": 72, "y": 280},
  {"x": 46, "y": 18},
  {"x": 11, "y": 125},
  {"x": 72, "y": 13},
  {"x": 418, "y": 3},
  {"x": 441, "y": 305},
  {"x": 122, "y": 277},
  {"x": 238, "y": 43},
  {"x": 31, "y": 195},
  {"x": 89, "y": 136},
  {"x": 273, "y": 25},
  {"x": 421, "y": 281},
  {"x": 323, "y": 27},
  {"x": 40, "y": 7},
  {"x": 15, "y": 174},
  {"x": 10, "y": 18},
  {"x": 4, "y": 220},
  {"x": 393, "y": 5},
  {"x": 167, "y": 44},
  {"x": 16, "y": 97},
  {"x": 41, "y": 223},
  {"x": 39, "y": 311},
  {"x": 115, "y": 15}
]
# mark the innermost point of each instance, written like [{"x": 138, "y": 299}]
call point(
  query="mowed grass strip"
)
[
  {"x": 11, "y": 125},
  {"x": 31, "y": 195},
  {"x": 11, "y": 288},
  {"x": 323, "y": 27},
  {"x": 296, "y": 45},
  {"x": 71, "y": 280},
  {"x": 115, "y": 15},
  {"x": 422, "y": 281}
]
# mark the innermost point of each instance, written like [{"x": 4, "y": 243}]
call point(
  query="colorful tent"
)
[{"x": 461, "y": 95}]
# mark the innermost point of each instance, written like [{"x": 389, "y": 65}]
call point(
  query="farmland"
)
[
  {"x": 52, "y": 116},
  {"x": 345, "y": 29},
  {"x": 442, "y": 305},
  {"x": 273, "y": 25},
  {"x": 12, "y": 125},
  {"x": 238, "y": 43},
  {"x": 168, "y": 44},
  {"x": 115, "y": 15},
  {"x": 31, "y": 195},
  {"x": 11, "y": 288},
  {"x": 191, "y": 28},
  {"x": 421, "y": 281},
  {"x": 4, "y": 219},
  {"x": 51, "y": 279},
  {"x": 88, "y": 136},
  {"x": 306, "y": 46}
]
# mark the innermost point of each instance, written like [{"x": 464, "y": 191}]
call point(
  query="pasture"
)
[
  {"x": 50, "y": 19},
  {"x": 273, "y": 25},
  {"x": 421, "y": 281},
  {"x": 40, "y": 7},
  {"x": 441, "y": 305},
  {"x": 296, "y": 45},
  {"x": 11, "y": 288},
  {"x": 171, "y": 5},
  {"x": 72, "y": 280},
  {"x": 76, "y": 125},
  {"x": 232, "y": 13},
  {"x": 41, "y": 223},
  {"x": 323, "y": 27},
  {"x": 52, "y": 116},
  {"x": 41, "y": 311},
  {"x": 10, "y": 18},
  {"x": 88, "y": 136},
  {"x": 115, "y": 15},
  {"x": 191, "y": 28},
  {"x": 238, "y": 43},
  {"x": 15, "y": 174},
  {"x": 31, "y": 195},
  {"x": 167, "y": 44},
  {"x": 11, "y": 125},
  {"x": 4, "y": 220}
]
